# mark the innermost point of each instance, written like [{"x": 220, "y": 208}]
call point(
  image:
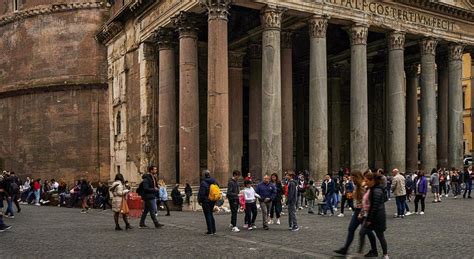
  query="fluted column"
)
[
  {"x": 167, "y": 105},
  {"x": 359, "y": 101},
  {"x": 396, "y": 121},
  {"x": 318, "y": 98},
  {"x": 218, "y": 90},
  {"x": 188, "y": 99},
  {"x": 455, "y": 116},
  {"x": 255, "y": 108},
  {"x": 271, "y": 90},
  {"x": 442, "y": 122},
  {"x": 428, "y": 103},
  {"x": 236, "y": 108},
  {"x": 287, "y": 101},
  {"x": 412, "y": 118}
]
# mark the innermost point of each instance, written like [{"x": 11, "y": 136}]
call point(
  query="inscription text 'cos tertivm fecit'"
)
[{"x": 397, "y": 13}]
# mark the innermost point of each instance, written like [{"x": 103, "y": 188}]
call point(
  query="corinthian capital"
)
[
  {"x": 217, "y": 9},
  {"x": 396, "y": 40},
  {"x": 270, "y": 17},
  {"x": 358, "y": 34},
  {"x": 164, "y": 38},
  {"x": 428, "y": 46},
  {"x": 187, "y": 24},
  {"x": 455, "y": 51},
  {"x": 318, "y": 26}
]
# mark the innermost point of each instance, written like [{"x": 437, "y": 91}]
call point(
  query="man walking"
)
[
  {"x": 468, "y": 178},
  {"x": 292, "y": 198},
  {"x": 148, "y": 190},
  {"x": 328, "y": 187},
  {"x": 398, "y": 189},
  {"x": 267, "y": 192},
  {"x": 207, "y": 205},
  {"x": 233, "y": 191},
  {"x": 434, "y": 182}
]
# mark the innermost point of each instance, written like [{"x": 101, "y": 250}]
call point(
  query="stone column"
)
[
  {"x": 442, "y": 123},
  {"x": 412, "y": 118},
  {"x": 287, "y": 101},
  {"x": 318, "y": 98},
  {"x": 167, "y": 102},
  {"x": 188, "y": 99},
  {"x": 148, "y": 82},
  {"x": 218, "y": 90},
  {"x": 236, "y": 108},
  {"x": 395, "y": 97},
  {"x": 335, "y": 92},
  {"x": 271, "y": 90},
  {"x": 428, "y": 104},
  {"x": 255, "y": 108},
  {"x": 472, "y": 101},
  {"x": 359, "y": 100},
  {"x": 455, "y": 116}
]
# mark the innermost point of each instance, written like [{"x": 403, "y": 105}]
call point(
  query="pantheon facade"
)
[{"x": 265, "y": 86}]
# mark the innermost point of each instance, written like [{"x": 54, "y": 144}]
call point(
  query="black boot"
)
[
  {"x": 372, "y": 253},
  {"x": 341, "y": 251},
  {"x": 118, "y": 228}
]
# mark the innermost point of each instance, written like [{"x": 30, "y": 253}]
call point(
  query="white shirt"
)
[{"x": 249, "y": 194}]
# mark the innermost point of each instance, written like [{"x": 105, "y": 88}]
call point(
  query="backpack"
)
[
  {"x": 214, "y": 192},
  {"x": 140, "y": 189}
]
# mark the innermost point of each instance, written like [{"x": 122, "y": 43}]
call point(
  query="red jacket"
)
[{"x": 36, "y": 186}]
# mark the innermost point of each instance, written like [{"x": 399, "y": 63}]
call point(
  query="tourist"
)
[
  {"x": 358, "y": 194},
  {"x": 148, "y": 190},
  {"x": 310, "y": 195},
  {"x": 164, "y": 196},
  {"x": 456, "y": 183},
  {"x": 15, "y": 184},
  {"x": 388, "y": 187},
  {"x": 421, "y": 188},
  {"x": 434, "y": 183},
  {"x": 328, "y": 189},
  {"x": 37, "y": 191},
  {"x": 250, "y": 205},
  {"x": 374, "y": 218},
  {"x": 103, "y": 195},
  {"x": 233, "y": 191},
  {"x": 267, "y": 192},
  {"x": 27, "y": 191},
  {"x": 408, "y": 186},
  {"x": 62, "y": 193},
  {"x": 207, "y": 205},
  {"x": 75, "y": 193},
  {"x": 468, "y": 178},
  {"x": 176, "y": 196},
  {"x": 85, "y": 192},
  {"x": 188, "y": 191},
  {"x": 347, "y": 189},
  {"x": 292, "y": 199},
  {"x": 399, "y": 191},
  {"x": 448, "y": 182},
  {"x": 442, "y": 183},
  {"x": 119, "y": 192},
  {"x": 277, "y": 201},
  {"x": 301, "y": 190}
]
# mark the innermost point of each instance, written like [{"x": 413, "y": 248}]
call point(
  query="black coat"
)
[
  {"x": 150, "y": 188},
  {"x": 376, "y": 215}
]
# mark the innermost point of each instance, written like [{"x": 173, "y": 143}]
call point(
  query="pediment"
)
[{"x": 462, "y": 4}]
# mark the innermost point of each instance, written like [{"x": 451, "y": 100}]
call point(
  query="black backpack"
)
[{"x": 140, "y": 189}]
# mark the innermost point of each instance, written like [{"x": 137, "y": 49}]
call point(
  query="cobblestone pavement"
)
[{"x": 445, "y": 231}]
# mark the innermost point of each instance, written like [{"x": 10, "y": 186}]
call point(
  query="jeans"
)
[
  {"x": 234, "y": 207},
  {"x": 335, "y": 200},
  {"x": 400, "y": 205},
  {"x": 265, "y": 206},
  {"x": 367, "y": 232},
  {"x": 9, "y": 210},
  {"x": 329, "y": 198},
  {"x": 150, "y": 207},
  {"x": 292, "y": 215},
  {"x": 343, "y": 203},
  {"x": 310, "y": 206},
  {"x": 468, "y": 189},
  {"x": 300, "y": 199},
  {"x": 37, "y": 196},
  {"x": 208, "y": 209},
  {"x": 276, "y": 208},
  {"x": 456, "y": 189},
  {"x": 442, "y": 188},
  {"x": 420, "y": 197},
  {"x": 250, "y": 213},
  {"x": 355, "y": 222}
]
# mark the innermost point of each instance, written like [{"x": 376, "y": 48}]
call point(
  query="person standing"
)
[
  {"x": 188, "y": 191},
  {"x": 292, "y": 199},
  {"x": 163, "y": 197},
  {"x": 421, "y": 188},
  {"x": 468, "y": 178},
  {"x": 328, "y": 189},
  {"x": 119, "y": 192},
  {"x": 149, "y": 190},
  {"x": 455, "y": 182},
  {"x": 310, "y": 196},
  {"x": 267, "y": 192},
  {"x": 250, "y": 197},
  {"x": 37, "y": 191},
  {"x": 233, "y": 191},
  {"x": 277, "y": 201},
  {"x": 86, "y": 191},
  {"x": 434, "y": 182},
  {"x": 399, "y": 191},
  {"x": 207, "y": 205},
  {"x": 347, "y": 189}
]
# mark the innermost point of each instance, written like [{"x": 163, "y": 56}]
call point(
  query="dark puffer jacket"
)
[
  {"x": 203, "y": 194},
  {"x": 376, "y": 215},
  {"x": 150, "y": 189}
]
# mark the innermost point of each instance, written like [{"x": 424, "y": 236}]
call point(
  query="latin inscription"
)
[{"x": 397, "y": 13}]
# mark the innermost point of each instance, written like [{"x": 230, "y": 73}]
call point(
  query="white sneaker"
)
[
  {"x": 446, "y": 195},
  {"x": 422, "y": 213},
  {"x": 231, "y": 226},
  {"x": 235, "y": 229},
  {"x": 396, "y": 214},
  {"x": 270, "y": 222},
  {"x": 278, "y": 222},
  {"x": 386, "y": 257},
  {"x": 417, "y": 213},
  {"x": 37, "y": 204},
  {"x": 340, "y": 215},
  {"x": 408, "y": 213},
  {"x": 246, "y": 226},
  {"x": 254, "y": 226}
]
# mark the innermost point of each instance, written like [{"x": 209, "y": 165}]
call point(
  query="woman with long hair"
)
[
  {"x": 276, "y": 207},
  {"x": 118, "y": 190},
  {"x": 421, "y": 188},
  {"x": 164, "y": 196},
  {"x": 358, "y": 193}
]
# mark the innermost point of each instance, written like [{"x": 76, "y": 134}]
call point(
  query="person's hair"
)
[
  {"x": 358, "y": 178},
  {"x": 311, "y": 182},
  {"x": 247, "y": 182},
  {"x": 433, "y": 170},
  {"x": 276, "y": 177},
  {"x": 150, "y": 168},
  {"x": 369, "y": 175},
  {"x": 119, "y": 177},
  {"x": 206, "y": 173},
  {"x": 378, "y": 180},
  {"x": 236, "y": 173},
  {"x": 291, "y": 174},
  {"x": 161, "y": 182}
]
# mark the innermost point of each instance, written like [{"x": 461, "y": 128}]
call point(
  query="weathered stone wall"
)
[{"x": 53, "y": 92}]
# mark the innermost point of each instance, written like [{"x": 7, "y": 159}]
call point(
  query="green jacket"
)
[{"x": 310, "y": 193}]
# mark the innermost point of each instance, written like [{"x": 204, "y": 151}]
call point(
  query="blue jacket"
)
[
  {"x": 266, "y": 191},
  {"x": 163, "y": 193},
  {"x": 422, "y": 187},
  {"x": 328, "y": 188},
  {"x": 203, "y": 194}
]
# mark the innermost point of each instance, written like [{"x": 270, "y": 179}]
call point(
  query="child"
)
[
  {"x": 250, "y": 205},
  {"x": 310, "y": 196}
]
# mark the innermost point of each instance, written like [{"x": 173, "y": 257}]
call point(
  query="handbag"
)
[
  {"x": 349, "y": 195},
  {"x": 124, "y": 207}
]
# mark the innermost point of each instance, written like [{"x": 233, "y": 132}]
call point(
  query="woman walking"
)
[
  {"x": 347, "y": 189},
  {"x": 164, "y": 196},
  {"x": 421, "y": 188},
  {"x": 374, "y": 217},
  {"x": 277, "y": 202},
  {"x": 358, "y": 194},
  {"x": 119, "y": 192}
]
